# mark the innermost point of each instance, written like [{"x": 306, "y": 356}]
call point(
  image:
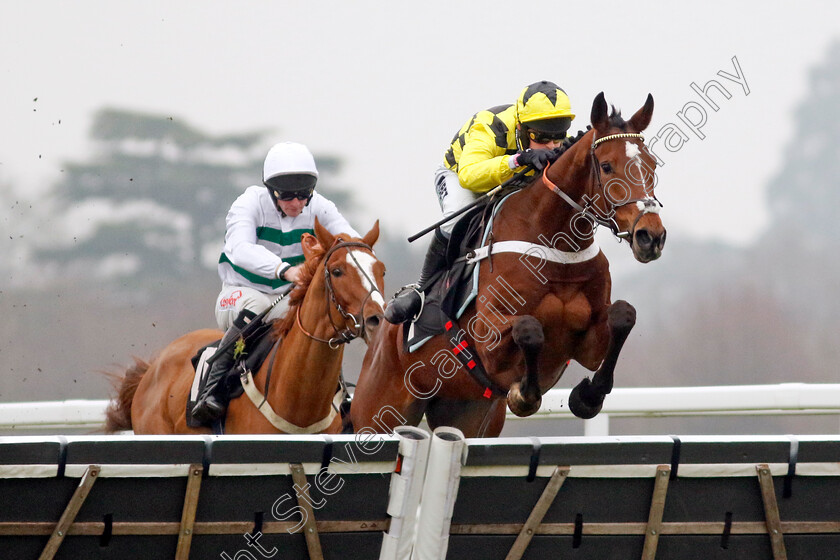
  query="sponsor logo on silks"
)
[{"x": 224, "y": 303}]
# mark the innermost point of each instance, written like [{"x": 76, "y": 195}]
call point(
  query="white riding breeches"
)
[
  {"x": 451, "y": 196},
  {"x": 233, "y": 299}
]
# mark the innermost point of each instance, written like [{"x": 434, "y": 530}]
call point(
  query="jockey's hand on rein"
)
[
  {"x": 293, "y": 274},
  {"x": 537, "y": 158}
]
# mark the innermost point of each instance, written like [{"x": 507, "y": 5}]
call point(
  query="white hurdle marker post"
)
[
  {"x": 406, "y": 488},
  {"x": 443, "y": 476}
]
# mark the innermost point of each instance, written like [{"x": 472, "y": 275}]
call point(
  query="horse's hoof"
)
[
  {"x": 528, "y": 333},
  {"x": 584, "y": 407},
  {"x": 621, "y": 315},
  {"x": 519, "y": 405}
]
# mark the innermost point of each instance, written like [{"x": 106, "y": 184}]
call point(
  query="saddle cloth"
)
[
  {"x": 451, "y": 291},
  {"x": 257, "y": 348},
  {"x": 449, "y": 294}
]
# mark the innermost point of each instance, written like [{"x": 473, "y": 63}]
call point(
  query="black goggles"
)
[
  {"x": 545, "y": 137},
  {"x": 294, "y": 195},
  {"x": 291, "y": 186}
]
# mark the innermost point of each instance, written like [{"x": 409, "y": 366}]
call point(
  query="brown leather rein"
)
[
  {"x": 651, "y": 203},
  {"x": 345, "y": 334}
]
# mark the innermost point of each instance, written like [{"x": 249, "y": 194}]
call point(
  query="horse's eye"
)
[
  {"x": 606, "y": 167},
  {"x": 336, "y": 272}
]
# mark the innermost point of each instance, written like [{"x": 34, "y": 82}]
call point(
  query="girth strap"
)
[
  {"x": 281, "y": 423},
  {"x": 535, "y": 250},
  {"x": 474, "y": 366}
]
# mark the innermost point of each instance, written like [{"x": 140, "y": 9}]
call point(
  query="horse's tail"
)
[{"x": 118, "y": 413}]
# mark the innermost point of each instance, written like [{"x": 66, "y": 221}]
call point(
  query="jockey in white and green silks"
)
[{"x": 262, "y": 251}]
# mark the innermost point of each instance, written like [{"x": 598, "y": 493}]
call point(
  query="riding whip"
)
[{"x": 480, "y": 200}]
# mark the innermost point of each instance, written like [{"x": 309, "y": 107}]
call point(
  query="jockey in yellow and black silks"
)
[{"x": 486, "y": 152}]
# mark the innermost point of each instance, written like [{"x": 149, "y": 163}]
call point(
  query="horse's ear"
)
[
  {"x": 641, "y": 119},
  {"x": 371, "y": 236},
  {"x": 599, "y": 117},
  {"x": 310, "y": 245},
  {"x": 325, "y": 237}
]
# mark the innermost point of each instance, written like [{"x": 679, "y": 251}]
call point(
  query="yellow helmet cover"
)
[{"x": 543, "y": 100}]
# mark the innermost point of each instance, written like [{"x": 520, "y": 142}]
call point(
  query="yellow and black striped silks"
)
[
  {"x": 541, "y": 101},
  {"x": 480, "y": 150}
]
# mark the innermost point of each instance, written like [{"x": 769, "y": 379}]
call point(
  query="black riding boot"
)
[
  {"x": 406, "y": 305},
  {"x": 210, "y": 405}
]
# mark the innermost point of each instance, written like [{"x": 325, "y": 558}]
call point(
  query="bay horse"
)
[
  {"x": 338, "y": 298},
  {"x": 543, "y": 295}
]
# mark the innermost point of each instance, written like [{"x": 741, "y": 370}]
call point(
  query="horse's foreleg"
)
[
  {"x": 525, "y": 397},
  {"x": 384, "y": 412},
  {"x": 587, "y": 397},
  {"x": 383, "y": 400}
]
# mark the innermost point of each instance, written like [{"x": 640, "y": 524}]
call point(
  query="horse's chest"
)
[{"x": 573, "y": 312}]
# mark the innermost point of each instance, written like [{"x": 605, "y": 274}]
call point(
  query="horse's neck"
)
[
  {"x": 572, "y": 172},
  {"x": 544, "y": 214},
  {"x": 315, "y": 308},
  {"x": 306, "y": 366}
]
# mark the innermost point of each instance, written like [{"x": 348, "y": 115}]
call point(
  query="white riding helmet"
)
[
  {"x": 289, "y": 172},
  {"x": 288, "y": 158}
]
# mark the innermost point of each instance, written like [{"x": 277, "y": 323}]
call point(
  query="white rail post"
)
[
  {"x": 406, "y": 488},
  {"x": 443, "y": 475},
  {"x": 635, "y": 402},
  {"x": 598, "y": 426}
]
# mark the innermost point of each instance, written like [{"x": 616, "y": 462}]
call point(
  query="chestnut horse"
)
[
  {"x": 339, "y": 297},
  {"x": 543, "y": 299}
]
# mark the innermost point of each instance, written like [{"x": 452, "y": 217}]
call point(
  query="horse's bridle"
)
[
  {"x": 650, "y": 203},
  {"x": 345, "y": 334}
]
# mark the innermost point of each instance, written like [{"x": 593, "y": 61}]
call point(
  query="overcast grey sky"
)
[{"x": 385, "y": 84}]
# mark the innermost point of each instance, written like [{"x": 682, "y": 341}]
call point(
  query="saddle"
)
[
  {"x": 257, "y": 348},
  {"x": 446, "y": 290},
  {"x": 451, "y": 291}
]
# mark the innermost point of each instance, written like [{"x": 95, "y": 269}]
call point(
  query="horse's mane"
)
[
  {"x": 616, "y": 120},
  {"x": 570, "y": 141},
  {"x": 307, "y": 273}
]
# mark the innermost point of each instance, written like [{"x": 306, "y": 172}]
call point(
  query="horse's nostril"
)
[
  {"x": 372, "y": 322},
  {"x": 643, "y": 238}
]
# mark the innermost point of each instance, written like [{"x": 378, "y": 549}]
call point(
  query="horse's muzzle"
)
[
  {"x": 648, "y": 244},
  {"x": 371, "y": 325}
]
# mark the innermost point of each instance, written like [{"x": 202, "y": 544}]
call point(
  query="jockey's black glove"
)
[{"x": 539, "y": 159}]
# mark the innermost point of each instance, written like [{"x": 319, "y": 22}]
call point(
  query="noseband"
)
[
  {"x": 342, "y": 333},
  {"x": 649, "y": 204}
]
